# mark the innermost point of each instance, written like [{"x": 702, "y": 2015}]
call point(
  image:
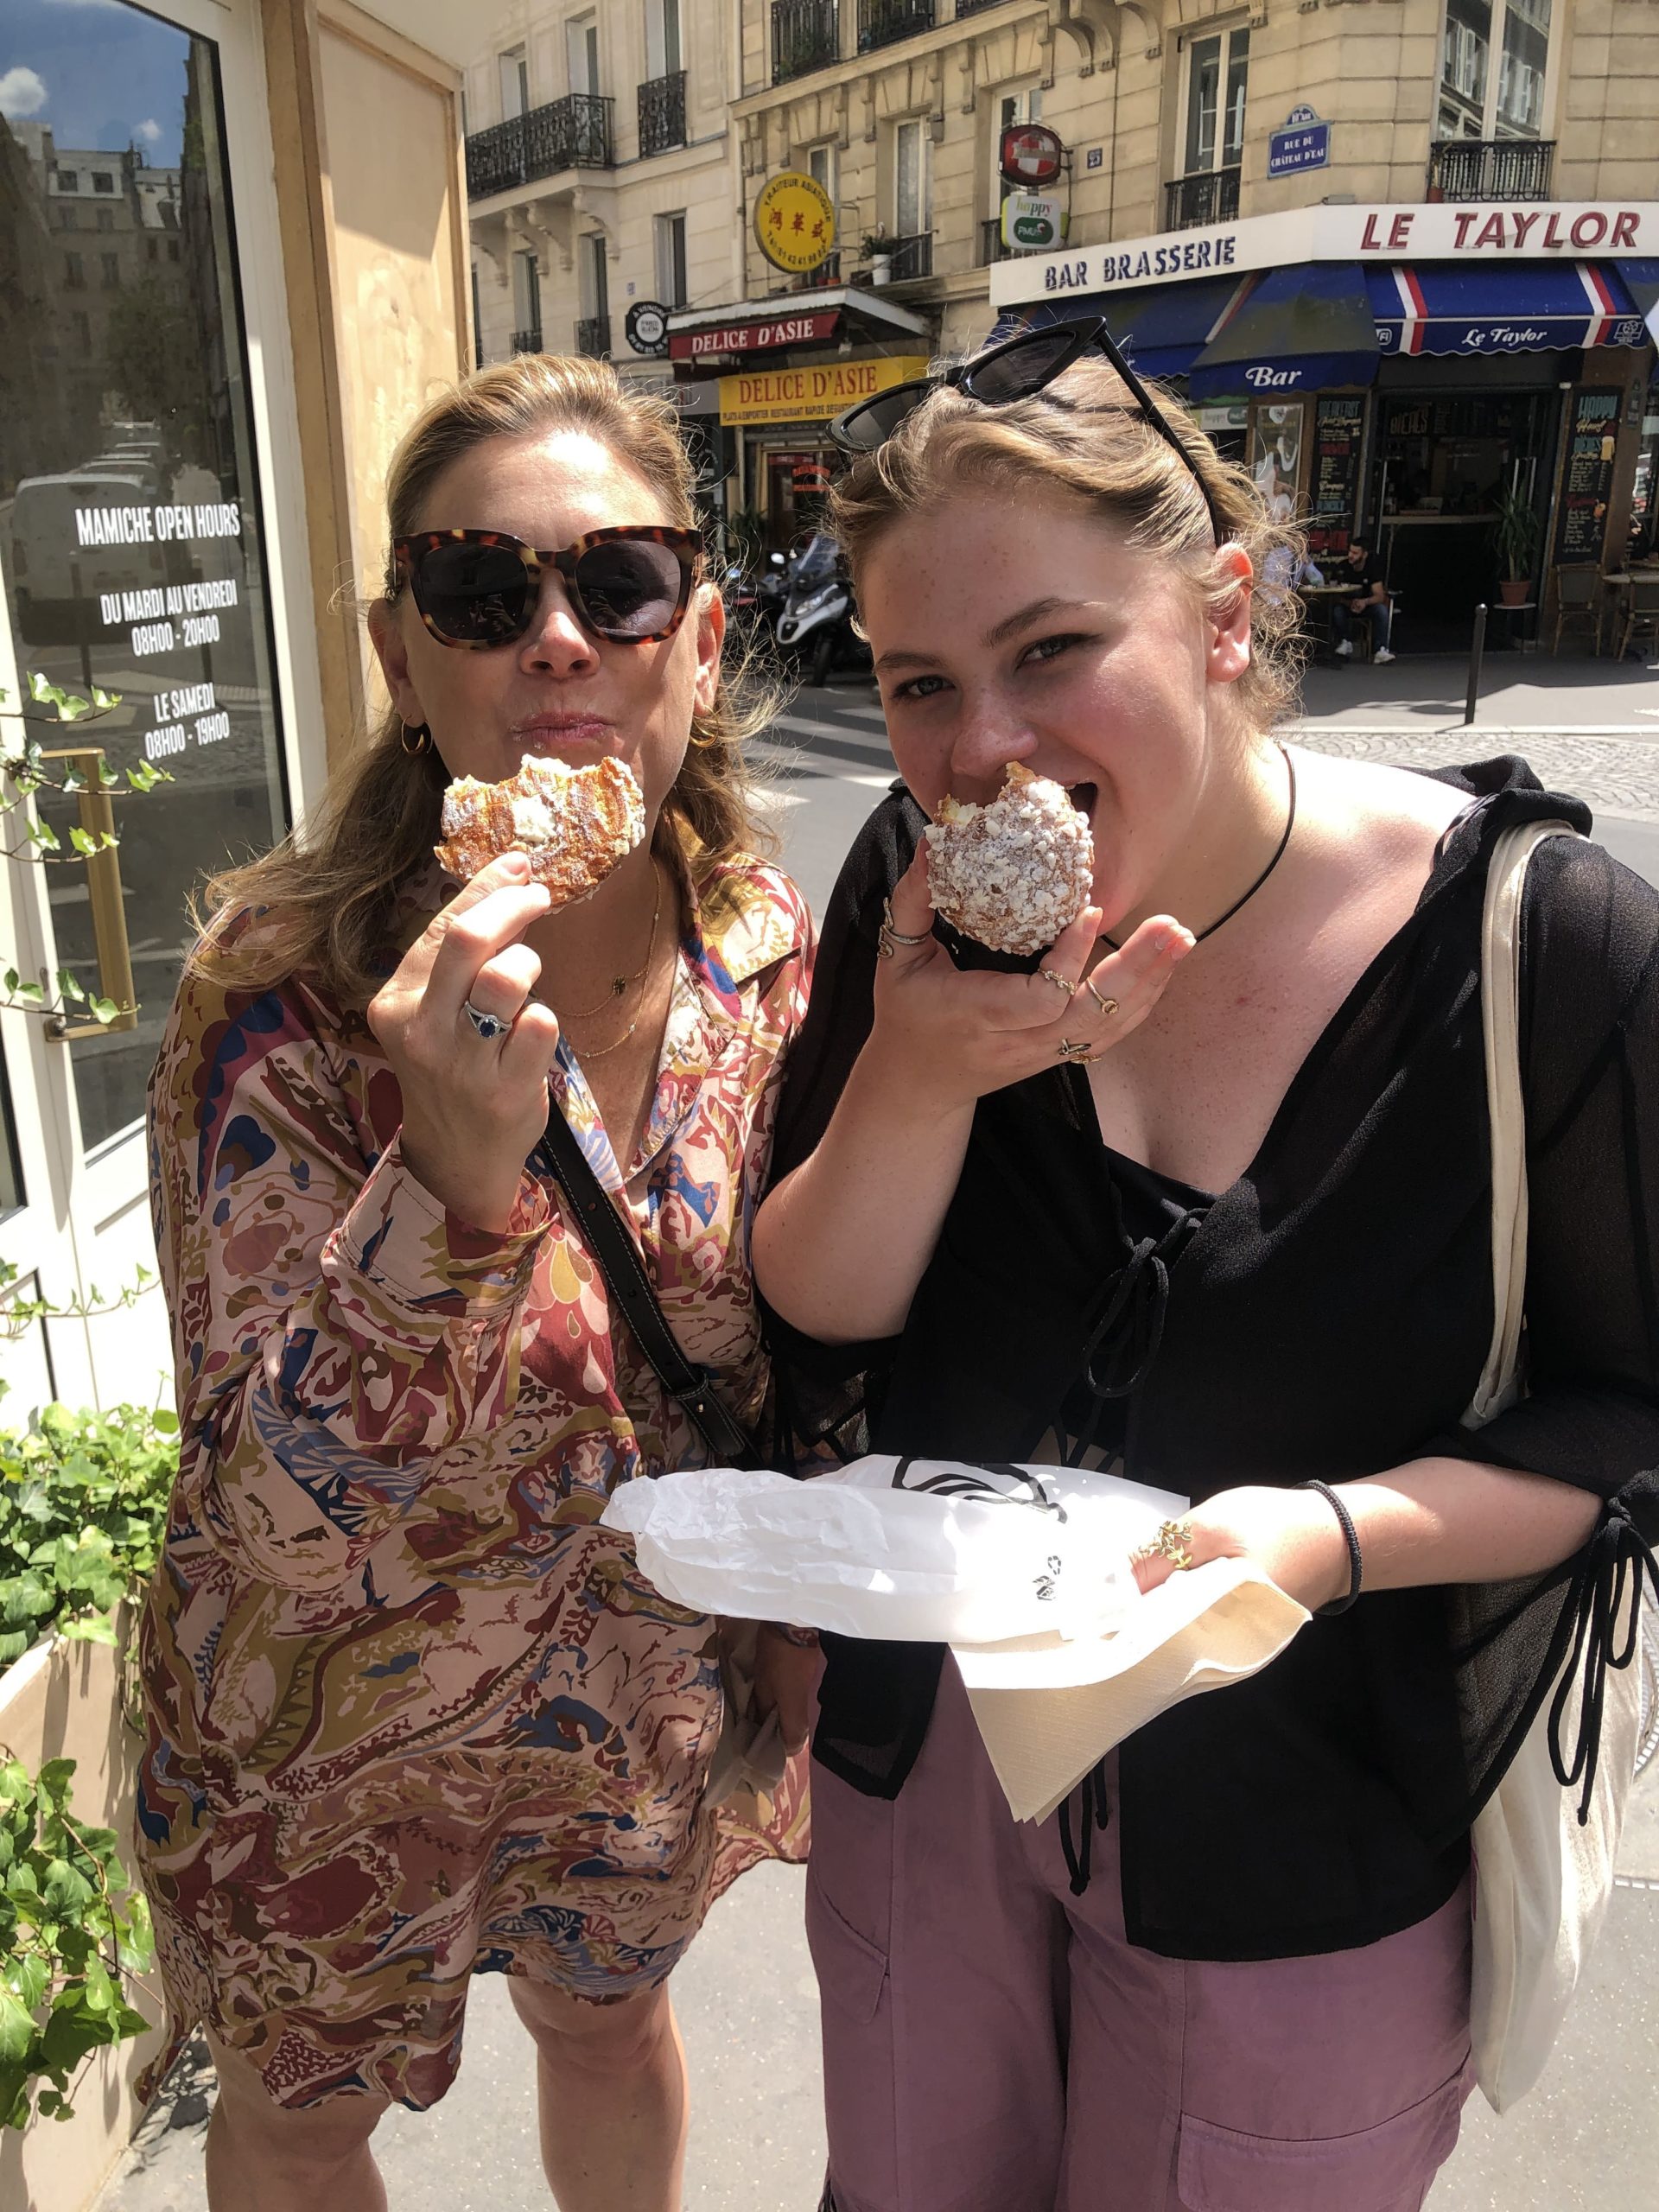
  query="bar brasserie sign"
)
[{"x": 1426, "y": 231}]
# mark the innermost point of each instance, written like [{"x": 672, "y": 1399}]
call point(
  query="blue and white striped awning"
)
[{"x": 1493, "y": 307}]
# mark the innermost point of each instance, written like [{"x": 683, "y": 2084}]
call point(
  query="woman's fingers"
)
[
  {"x": 505, "y": 981},
  {"x": 471, "y": 938},
  {"x": 909, "y": 911},
  {"x": 527, "y": 1053},
  {"x": 1120, "y": 991}
]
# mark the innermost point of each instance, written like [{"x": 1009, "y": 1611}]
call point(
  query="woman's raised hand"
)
[
  {"x": 953, "y": 1034},
  {"x": 473, "y": 1107}
]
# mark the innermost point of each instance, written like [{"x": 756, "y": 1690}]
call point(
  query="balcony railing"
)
[
  {"x": 573, "y": 133},
  {"x": 909, "y": 257},
  {"x": 1206, "y": 196},
  {"x": 991, "y": 247},
  {"x": 805, "y": 36},
  {"x": 827, "y": 272},
  {"x": 593, "y": 337},
  {"x": 528, "y": 341},
  {"x": 662, "y": 113},
  {"x": 881, "y": 22},
  {"x": 1491, "y": 168},
  {"x": 974, "y": 7}
]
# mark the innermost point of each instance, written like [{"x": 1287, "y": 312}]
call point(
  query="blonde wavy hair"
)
[
  {"x": 322, "y": 902},
  {"x": 1085, "y": 439}
]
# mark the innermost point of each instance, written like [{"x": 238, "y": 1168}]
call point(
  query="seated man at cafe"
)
[{"x": 1371, "y": 600}]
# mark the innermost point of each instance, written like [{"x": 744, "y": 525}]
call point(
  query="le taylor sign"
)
[{"x": 1489, "y": 232}]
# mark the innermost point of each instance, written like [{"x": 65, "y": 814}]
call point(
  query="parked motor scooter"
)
[
  {"x": 816, "y": 627},
  {"x": 754, "y": 598}
]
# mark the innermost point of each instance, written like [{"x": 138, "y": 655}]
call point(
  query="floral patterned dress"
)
[{"x": 410, "y": 1713}]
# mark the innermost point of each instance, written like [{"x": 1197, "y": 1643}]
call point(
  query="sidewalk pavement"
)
[{"x": 1576, "y": 692}]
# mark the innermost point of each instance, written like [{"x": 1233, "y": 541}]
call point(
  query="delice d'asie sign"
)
[
  {"x": 754, "y": 337},
  {"x": 1439, "y": 231}
]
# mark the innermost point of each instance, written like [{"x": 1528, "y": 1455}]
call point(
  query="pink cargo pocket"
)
[
  {"x": 1381, "y": 2169},
  {"x": 851, "y": 1969}
]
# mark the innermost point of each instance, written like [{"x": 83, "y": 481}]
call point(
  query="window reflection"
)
[{"x": 129, "y": 499}]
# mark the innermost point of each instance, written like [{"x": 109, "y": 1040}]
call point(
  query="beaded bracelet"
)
[{"x": 1356, "y": 1565}]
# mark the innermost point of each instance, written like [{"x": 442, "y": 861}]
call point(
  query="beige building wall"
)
[
  {"x": 1112, "y": 79},
  {"x": 549, "y": 217}
]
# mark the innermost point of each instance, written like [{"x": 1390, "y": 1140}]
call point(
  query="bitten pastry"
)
[
  {"x": 1013, "y": 875},
  {"x": 573, "y": 824}
]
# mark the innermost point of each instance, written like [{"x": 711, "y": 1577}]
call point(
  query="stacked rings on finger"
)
[
  {"x": 488, "y": 1025},
  {"x": 1108, "y": 1007},
  {"x": 1085, "y": 1054},
  {"x": 889, "y": 938},
  {"x": 1174, "y": 1542},
  {"x": 1060, "y": 983}
]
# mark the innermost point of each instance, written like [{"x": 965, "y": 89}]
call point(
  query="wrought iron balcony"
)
[
  {"x": 573, "y": 133},
  {"x": 991, "y": 247},
  {"x": 593, "y": 337},
  {"x": 805, "y": 36},
  {"x": 527, "y": 342},
  {"x": 1206, "y": 196},
  {"x": 1491, "y": 168},
  {"x": 910, "y": 257},
  {"x": 881, "y": 22},
  {"x": 827, "y": 272},
  {"x": 662, "y": 113}
]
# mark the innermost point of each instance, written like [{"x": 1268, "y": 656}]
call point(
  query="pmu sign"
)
[{"x": 1031, "y": 155}]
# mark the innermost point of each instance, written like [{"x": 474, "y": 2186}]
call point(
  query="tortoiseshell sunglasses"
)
[{"x": 479, "y": 589}]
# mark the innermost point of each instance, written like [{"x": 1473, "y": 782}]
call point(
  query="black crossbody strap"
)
[{"x": 633, "y": 1297}]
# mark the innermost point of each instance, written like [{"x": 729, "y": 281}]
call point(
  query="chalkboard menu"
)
[
  {"x": 1334, "y": 494},
  {"x": 1587, "y": 477}
]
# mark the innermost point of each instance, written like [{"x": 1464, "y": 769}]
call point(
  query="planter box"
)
[{"x": 62, "y": 1700}]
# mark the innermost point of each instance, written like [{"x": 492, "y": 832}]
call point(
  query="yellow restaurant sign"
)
[
  {"x": 813, "y": 395},
  {"x": 795, "y": 222}
]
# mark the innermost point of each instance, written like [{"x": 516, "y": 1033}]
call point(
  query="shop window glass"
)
[{"x": 130, "y": 541}]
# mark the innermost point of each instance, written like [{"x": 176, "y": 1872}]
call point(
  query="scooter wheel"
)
[{"x": 822, "y": 654}]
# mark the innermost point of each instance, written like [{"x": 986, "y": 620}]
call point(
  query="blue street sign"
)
[{"x": 1304, "y": 143}]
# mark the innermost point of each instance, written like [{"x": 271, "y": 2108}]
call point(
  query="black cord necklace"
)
[{"x": 1290, "y": 823}]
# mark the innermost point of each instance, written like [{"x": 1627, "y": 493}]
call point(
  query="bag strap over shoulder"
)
[
  {"x": 1500, "y": 1009},
  {"x": 633, "y": 1297}
]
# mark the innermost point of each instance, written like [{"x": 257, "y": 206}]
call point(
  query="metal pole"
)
[{"x": 1476, "y": 647}]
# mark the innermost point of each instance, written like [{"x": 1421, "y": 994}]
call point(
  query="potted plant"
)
[
  {"x": 1517, "y": 535},
  {"x": 877, "y": 250}
]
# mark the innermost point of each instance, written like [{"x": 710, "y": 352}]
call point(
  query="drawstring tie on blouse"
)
[
  {"x": 1095, "y": 1811},
  {"x": 1589, "y": 1619}
]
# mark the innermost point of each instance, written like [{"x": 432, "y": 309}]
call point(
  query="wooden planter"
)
[{"x": 61, "y": 1700}]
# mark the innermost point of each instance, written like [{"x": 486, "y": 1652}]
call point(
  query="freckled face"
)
[
  {"x": 1032, "y": 632},
  {"x": 558, "y": 691}
]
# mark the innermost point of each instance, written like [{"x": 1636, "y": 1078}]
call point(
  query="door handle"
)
[{"x": 104, "y": 888}]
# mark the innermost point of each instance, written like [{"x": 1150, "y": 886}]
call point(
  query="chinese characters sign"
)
[{"x": 795, "y": 222}]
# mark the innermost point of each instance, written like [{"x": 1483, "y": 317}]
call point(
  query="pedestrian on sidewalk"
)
[
  {"x": 1371, "y": 603},
  {"x": 411, "y": 1715},
  {"x": 1207, "y": 1203}
]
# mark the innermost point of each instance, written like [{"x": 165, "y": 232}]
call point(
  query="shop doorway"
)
[
  {"x": 1441, "y": 465},
  {"x": 133, "y": 556},
  {"x": 797, "y": 486}
]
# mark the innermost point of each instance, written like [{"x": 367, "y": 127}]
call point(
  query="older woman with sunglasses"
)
[
  {"x": 1221, "y": 1220},
  {"x": 411, "y": 1714}
]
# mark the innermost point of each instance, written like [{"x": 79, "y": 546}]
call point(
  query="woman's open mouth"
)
[{"x": 1082, "y": 797}]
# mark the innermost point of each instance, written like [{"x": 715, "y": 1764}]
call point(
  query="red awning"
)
[{"x": 755, "y": 337}]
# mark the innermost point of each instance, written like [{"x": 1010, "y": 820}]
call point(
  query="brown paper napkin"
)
[{"x": 1048, "y": 1709}]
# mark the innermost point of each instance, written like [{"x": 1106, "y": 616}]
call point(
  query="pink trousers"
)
[{"x": 993, "y": 2043}]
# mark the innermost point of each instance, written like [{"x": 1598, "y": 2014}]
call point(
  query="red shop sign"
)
[{"x": 754, "y": 337}]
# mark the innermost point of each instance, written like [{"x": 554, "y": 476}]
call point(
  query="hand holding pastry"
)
[{"x": 470, "y": 1048}]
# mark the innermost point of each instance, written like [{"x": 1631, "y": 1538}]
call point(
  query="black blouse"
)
[{"x": 1328, "y": 1314}]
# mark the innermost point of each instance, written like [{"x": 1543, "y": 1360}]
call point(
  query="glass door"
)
[{"x": 134, "y": 559}]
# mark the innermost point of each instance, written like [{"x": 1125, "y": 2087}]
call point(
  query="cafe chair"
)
[
  {"x": 1641, "y": 614},
  {"x": 1578, "y": 599}
]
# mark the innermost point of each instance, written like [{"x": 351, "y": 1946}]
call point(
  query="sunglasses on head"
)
[
  {"x": 477, "y": 588},
  {"x": 1019, "y": 368}
]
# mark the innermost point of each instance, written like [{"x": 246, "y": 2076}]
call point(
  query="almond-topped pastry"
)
[
  {"x": 1013, "y": 875},
  {"x": 573, "y": 824}
]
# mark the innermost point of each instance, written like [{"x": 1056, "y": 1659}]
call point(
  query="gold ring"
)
[
  {"x": 1174, "y": 1541},
  {"x": 1069, "y": 1050},
  {"x": 889, "y": 937},
  {"x": 1108, "y": 1007},
  {"x": 1060, "y": 983}
]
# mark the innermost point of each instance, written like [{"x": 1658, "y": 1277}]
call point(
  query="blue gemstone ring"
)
[{"x": 488, "y": 1025}]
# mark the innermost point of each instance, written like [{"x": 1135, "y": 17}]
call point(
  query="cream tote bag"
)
[{"x": 1541, "y": 1880}]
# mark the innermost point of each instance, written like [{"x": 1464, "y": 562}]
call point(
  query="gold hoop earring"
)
[
  {"x": 422, "y": 735},
  {"x": 711, "y": 743}
]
